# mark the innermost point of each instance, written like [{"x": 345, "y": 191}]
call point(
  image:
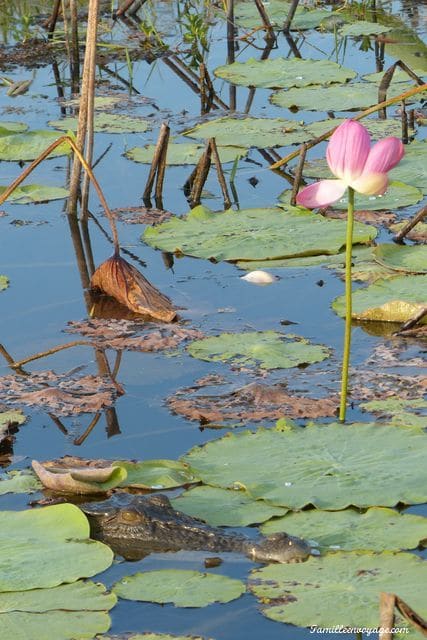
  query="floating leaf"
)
[
  {"x": 378, "y": 529},
  {"x": 183, "y": 153},
  {"x": 35, "y": 193},
  {"x": 105, "y": 123},
  {"x": 342, "y": 97},
  {"x": 279, "y": 73},
  {"x": 45, "y": 547},
  {"x": 401, "y": 410},
  {"x": 8, "y": 418},
  {"x": 29, "y": 145},
  {"x": 65, "y": 612},
  {"x": 393, "y": 300},
  {"x": 222, "y": 507},
  {"x": 363, "y": 28},
  {"x": 181, "y": 587},
  {"x": 397, "y": 195},
  {"x": 377, "y": 128},
  {"x": 251, "y": 132},
  {"x": 328, "y": 466},
  {"x": 4, "y": 282},
  {"x": 8, "y": 128},
  {"x": 19, "y": 482},
  {"x": 412, "y": 169},
  {"x": 403, "y": 258},
  {"x": 417, "y": 234},
  {"x": 247, "y": 15},
  {"x": 253, "y": 234},
  {"x": 79, "y": 480},
  {"x": 399, "y": 75},
  {"x": 266, "y": 349},
  {"x": 157, "y": 474},
  {"x": 122, "y": 281},
  {"x": 339, "y": 589}
]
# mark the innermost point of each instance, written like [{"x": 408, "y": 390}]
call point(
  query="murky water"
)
[{"x": 45, "y": 293}]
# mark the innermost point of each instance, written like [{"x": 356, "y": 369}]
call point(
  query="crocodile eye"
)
[{"x": 129, "y": 515}]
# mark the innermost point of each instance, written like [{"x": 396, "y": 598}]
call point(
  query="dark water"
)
[{"x": 45, "y": 293}]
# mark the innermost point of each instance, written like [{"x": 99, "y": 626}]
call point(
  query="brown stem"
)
[
  {"x": 298, "y": 174},
  {"x": 413, "y": 321},
  {"x": 266, "y": 21},
  {"x": 422, "y": 213},
  {"x": 43, "y": 354},
  {"x": 290, "y": 16},
  {"x": 220, "y": 173},
  {"x": 202, "y": 171},
  {"x": 50, "y": 24},
  {"x": 386, "y": 616},
  {"x": 367, "y": 112},
  {"x": 66, "y": 139},
  {"x": 159, "y": 152}
]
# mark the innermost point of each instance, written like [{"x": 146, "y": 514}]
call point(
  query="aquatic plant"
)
[{"x": 358, "y": 168}]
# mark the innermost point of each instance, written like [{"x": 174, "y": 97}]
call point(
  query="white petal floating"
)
[{"x": 259, "y": 277}]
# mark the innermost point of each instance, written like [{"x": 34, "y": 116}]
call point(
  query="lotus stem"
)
[{"x": 348, "y": 304}]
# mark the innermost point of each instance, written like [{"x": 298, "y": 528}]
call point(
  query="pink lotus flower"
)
[{"x": 355, "y": 164}]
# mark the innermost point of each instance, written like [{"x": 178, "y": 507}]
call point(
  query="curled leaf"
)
[
  {"x": 80, "y": 480},
  {"x": 120, "y": 280}
]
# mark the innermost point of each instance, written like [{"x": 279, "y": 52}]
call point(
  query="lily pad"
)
[
  {"x": 33, "y": 193},
  {"x": 403, "y": 257},
  {"x": 397, "y": 195},
  {"x": 247, "y": 15},
  {"x": 266, "y": 349},
  {"x": 342, "y": 97},
  {"x": 339, "y": 589},
  {"x": 105, "y": 123},
  {"x": 8, "y": 128},
  {"x": 8, "y": 418},
  {"x": 251, "y": 132},
  {"x": 377, "y": 128},
  {"x": 401, "y": 410},
  {"x": 222, "y": 507},
  {"x": 378, "y": 529},
  {"x": 4, "y": 283},
  {"x": 412, "y": 169},
  {"x": 27, "y": 146},
  {"x": 64, "y": 612},
  {"x": 183, "y": 153},
  {"x": 328, "y": 466},
  {"x": 393, "y": 300},
  {"x": 44, "y": 547},
  {"x": 181, "y": 587},
  {"x": 157, "y": 474},
  {"x": 399, "y": 76},
  {"x": 19, "y": 482},
  {"x": 253, "y": 234},
  {"x": 281, "y": 73},
  {"x": 363, "y": 28}
]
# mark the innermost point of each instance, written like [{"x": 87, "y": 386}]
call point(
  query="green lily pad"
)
[
  {"x": 183, "y": 153},
  {"x": 393, "y": 300},
  {"x": 8, "y": 128},
  {"x": 247, "y": 15},
  {"x": 377, "y": 128},
  {"x": 342, "y": 97},
  {"x": 222, "y": 507},
  {"x": 29, "y": 145},
  {"x": 19, "y": 482},
  {"x": 363, "y": 28},
  {"x": 181, "y": 587},
  {"x": 412, "y": 169},
  {"x": 397, "y": 195},
  {"x": 157, "y": 474},
  {"x": 417, "y": 234},
  {"x": 378, "y": 529},
  {"x": 44, "y": 547},
  {"x": 32, "y": 193},
  {"x": 328, "y": 466},
  {"x": 412, "y": 259},
  {"x": 251, "y": 132},
  {"x": 399, "y": 76},
  {"x": 339, "y": 589},
  {"x": 64, "y": 612},
  {"x": 105, "y": 123},
  {"x": 281, "y": 73},
  {"x": 266, "y": 349},
  {"x": 401, "y": 411},
  {"x": 253, "y": 234},
  {"x": 4, "y": 283},
  {"x": 11, "y": 417}
]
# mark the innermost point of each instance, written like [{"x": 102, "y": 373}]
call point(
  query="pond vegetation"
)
[{"x": 172, "y": 313}]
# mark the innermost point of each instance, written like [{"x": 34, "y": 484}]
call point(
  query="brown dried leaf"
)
[
  {"x": 141, "y": 215},
  {"x": 87, "y": 481},
  {"x": 76, "y": 462},
  {"x": 376, "y": 218},
  {"x": 60, "y": 394},
  {"x": 133, "y": 336},
  {"x": 120, "y": 280},
  {"x": 252, "y": 402}
]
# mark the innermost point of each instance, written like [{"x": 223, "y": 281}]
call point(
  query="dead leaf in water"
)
[
  {"x": 141, "y": 215},
  {"x": 120, "y": 280},
  {"x": 133, "y": 336},
  {"x": 80, "y": 480},
  {"x": 252, "y": 402},
  {"x": 61, "y": 394}
]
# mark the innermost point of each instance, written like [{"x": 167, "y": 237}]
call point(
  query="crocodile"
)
[{"x": 136, "y": 525}]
